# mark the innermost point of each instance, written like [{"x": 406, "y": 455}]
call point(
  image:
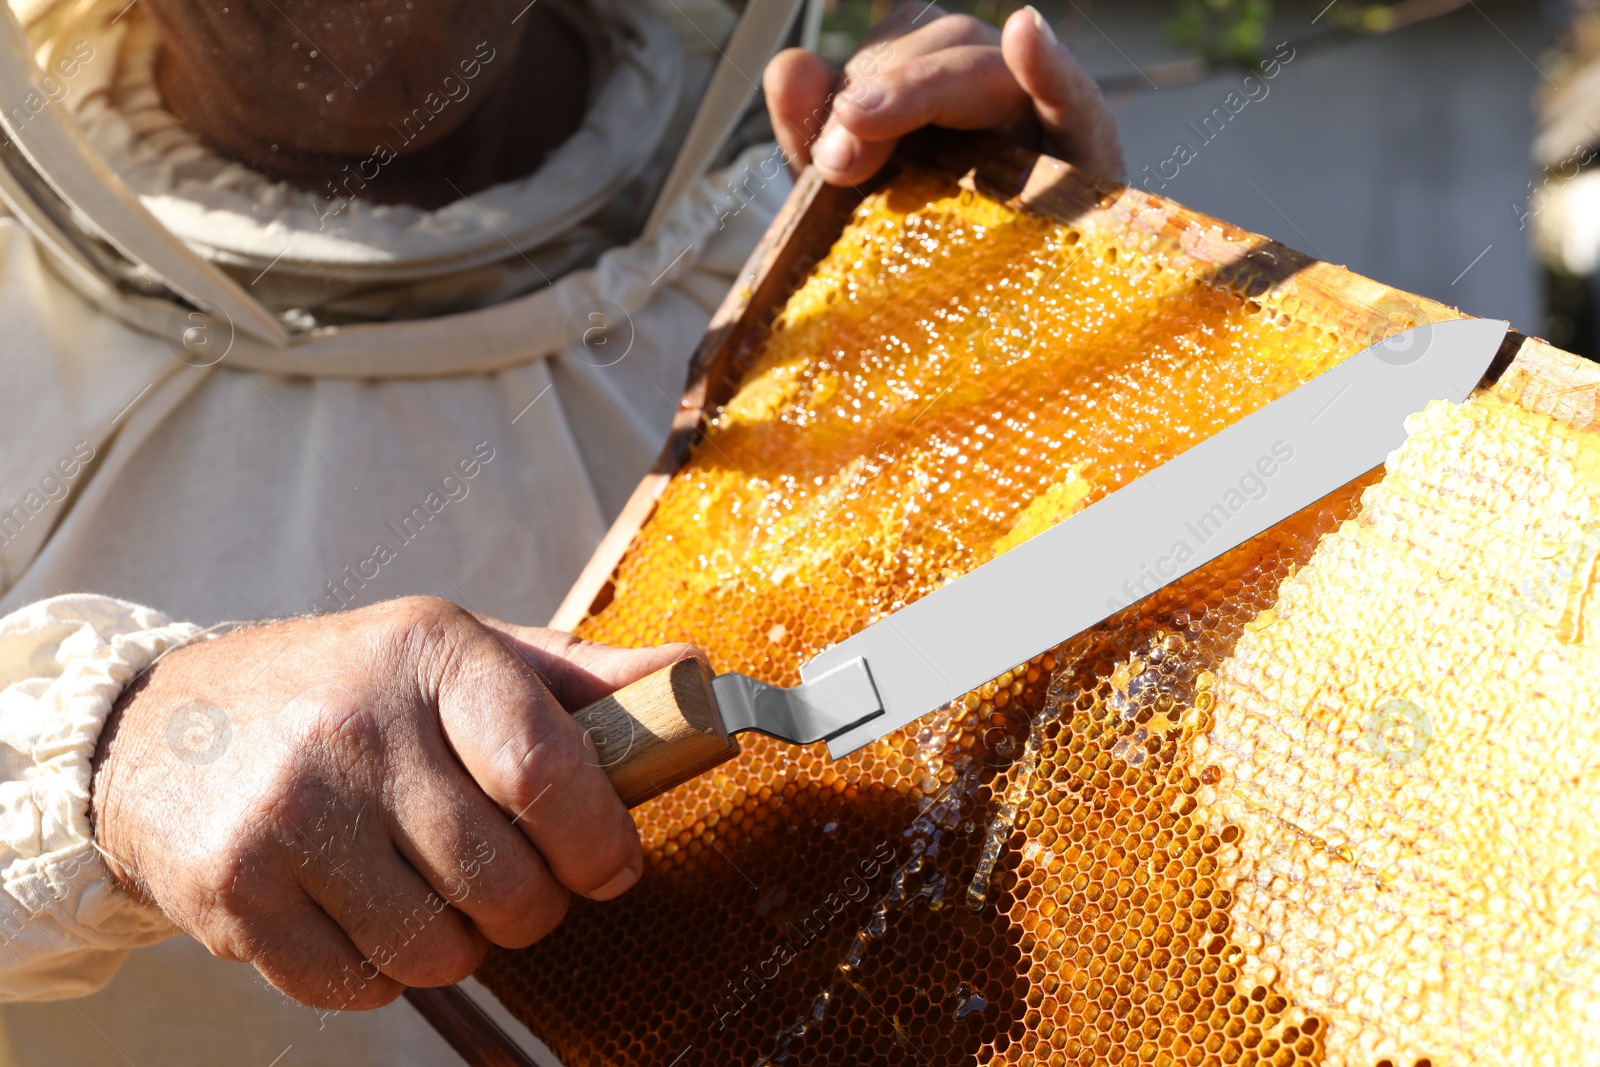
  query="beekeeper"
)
[{"x": 362, "y": 318}]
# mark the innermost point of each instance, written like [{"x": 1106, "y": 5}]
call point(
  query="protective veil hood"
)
[{"x": 168, "y": 236}]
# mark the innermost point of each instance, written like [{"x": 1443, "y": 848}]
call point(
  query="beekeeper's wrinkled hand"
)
[
  {"x": 923, "y": 67},
  {"x": 376, "y": 795}
]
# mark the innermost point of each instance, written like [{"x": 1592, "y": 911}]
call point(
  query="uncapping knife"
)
[{"x": 672, "y": 725}]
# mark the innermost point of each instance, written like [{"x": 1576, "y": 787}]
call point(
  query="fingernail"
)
[
  {"x": 835, "y": 150},
  {"x": 1044, "y": 27},
  {"x": 619, "y": 885}
]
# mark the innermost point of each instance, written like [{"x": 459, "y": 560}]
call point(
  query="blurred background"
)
[{"x": 1446, "y": 147}]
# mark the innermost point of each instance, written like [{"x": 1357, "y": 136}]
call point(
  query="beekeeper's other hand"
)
[
  {"x": 375, "y": 797},
  {"x": 923, "y": 67}
]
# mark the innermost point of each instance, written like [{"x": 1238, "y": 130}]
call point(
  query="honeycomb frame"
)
[{"x": 1270, "y": 1029}]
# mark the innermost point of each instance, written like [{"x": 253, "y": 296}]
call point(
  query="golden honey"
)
[{"x": 1155, "y": 843}]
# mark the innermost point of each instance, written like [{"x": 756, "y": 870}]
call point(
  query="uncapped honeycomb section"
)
[
  {"x": 1409, "y": 746},
  {"x": 1045, "y": 871}
]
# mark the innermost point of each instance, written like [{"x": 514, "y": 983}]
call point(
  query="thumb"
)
[
  {"x": 798, "y": 88},
  {"x": 1066, "y": 100}
]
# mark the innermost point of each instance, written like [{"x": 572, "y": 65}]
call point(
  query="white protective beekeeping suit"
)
[{"x": 225, "y": 398}]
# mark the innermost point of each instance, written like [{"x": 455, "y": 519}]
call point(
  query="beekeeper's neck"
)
[{"x": 390, "y": 111}]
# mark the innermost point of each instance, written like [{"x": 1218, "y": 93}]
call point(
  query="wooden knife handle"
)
[{"x": 661, "y": 730}]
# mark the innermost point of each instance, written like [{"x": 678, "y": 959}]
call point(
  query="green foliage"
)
[
  {"x": 1367, "y": 18},
  {"x": 1222, "y": 31},
  {"x": 1231, "y": 31}
]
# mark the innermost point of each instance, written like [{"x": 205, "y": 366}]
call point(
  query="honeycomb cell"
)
[{"x": 1145, "y": 845}]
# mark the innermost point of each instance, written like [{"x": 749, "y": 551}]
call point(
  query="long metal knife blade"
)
[{"x": 1212, "y": 497}]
